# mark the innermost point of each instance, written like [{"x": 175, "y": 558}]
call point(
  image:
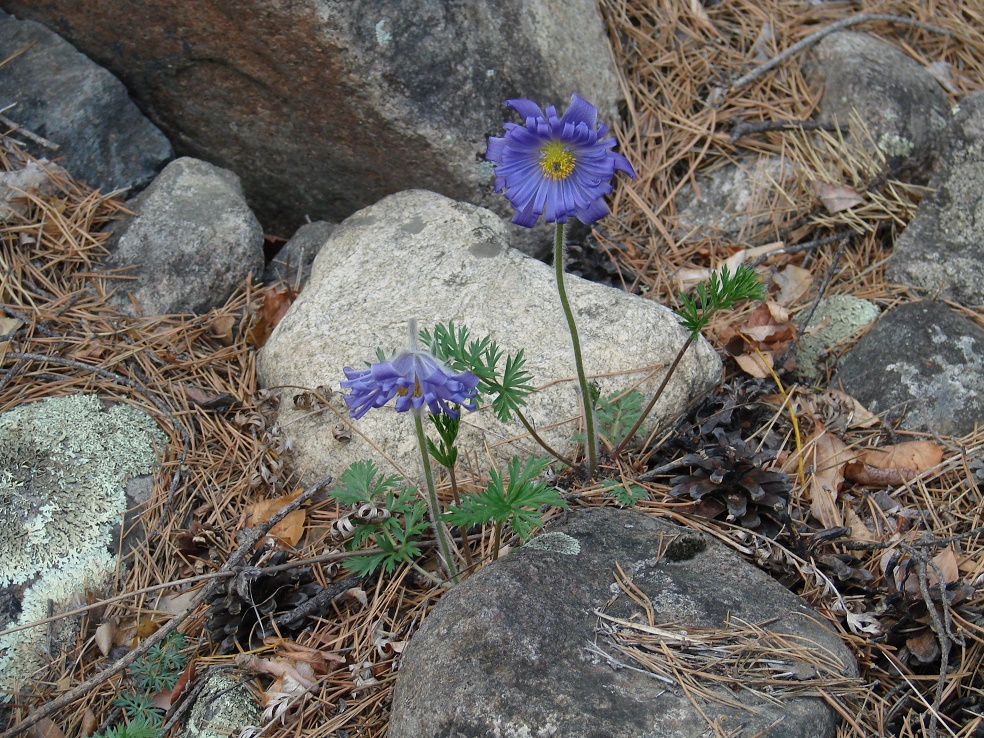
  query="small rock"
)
[
  {"x": 64, "y": 97},
  {"x": 17, "y": 185},
  {"x": 420, "y": 255},
  {"x": 837, "y": 319},
  {"x": 298, "y": 254},
  {"x": 921, "y": 362},
  {"x": 941, "y": 251},
  {"x": 518, "y": 649},
  {"x": 223, "y": 708},
  {"x": 191, "y": 242},
  {"x": 899, "y": 102},
  {"x": 734, "y": 201}
]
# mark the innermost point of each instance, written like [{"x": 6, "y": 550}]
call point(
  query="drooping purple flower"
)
[
  {"x": 555, "y": 167},
  {"x": 414, "y": 377}
]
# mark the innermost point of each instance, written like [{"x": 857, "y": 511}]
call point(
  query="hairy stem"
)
[
  {"x": 432, "y": 505},
  {"x": 536, "y": 437},
  {"x": 465, "y": 543},
  {"x": 582, "y": 380}
]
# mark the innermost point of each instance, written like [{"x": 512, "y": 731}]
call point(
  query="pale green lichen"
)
[
  {"x": 223, "y": 708},
  {"x": 836, "y": 320},
  {"x": 893, "y": 144},
  {"x": 62, "y": 461},
  {"x": 555, "y": 542},
  {"x": 64, "y": 465}
]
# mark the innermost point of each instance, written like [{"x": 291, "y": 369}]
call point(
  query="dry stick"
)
[
  {"x": 251, "y": 537},
  {"x": 18, "y": 128},
  {"x": 815, "y": 37},
  {"x": 816, "y": 301}
]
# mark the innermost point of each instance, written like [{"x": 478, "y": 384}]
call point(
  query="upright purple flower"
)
[
  {"x": 555, "y": 167},
  {"x": 413, "y": 377}
]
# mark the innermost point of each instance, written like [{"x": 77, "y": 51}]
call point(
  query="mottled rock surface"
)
[
  {"x": 191, "y": 241},
  {"x": 64, "y": 97},
  {"x": 900, "y": 103},
  {"x": 941, "y": 251},
  {"x": 420, "y": 255},
  {"x": 519, "y": 649},
  {"x": 323, "y": 107},
  {"x": 63, "y": 460},
  {"x": 837, "y": 319},
  {"x": 922, "y": 362}
]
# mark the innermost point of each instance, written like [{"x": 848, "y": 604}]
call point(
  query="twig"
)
[
  {"x": 816, "y": 301},
  {"x": 250, "y": 537},
  {"x": 40, "y": 140},
  {"x": 747, "y": 128},
  {"x": 834, "y": 27}
]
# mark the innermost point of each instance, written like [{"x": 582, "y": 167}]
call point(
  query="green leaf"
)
[
  {"x": 445, "y": 453},
  {"x": 516, "y": 501},
  {"x": 359, "y": 484},
  {"x": 722, "y": 290},
  {"x": 395, "y": 535},
  {"x": 625, "y": 495},
  {"x": 615, "y": 414}
]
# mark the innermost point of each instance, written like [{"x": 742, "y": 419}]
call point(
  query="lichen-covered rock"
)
[
  {"x": 921, "y": 363},
  {"x": 837, "y": 319},
  {"x": 58, "y": 93},
  {"x": 869, "y": 81},
  {"x": 223, "y": 708},
  {"x": 64, "y": 466},
  {"x": 420, "y": 255},
  {"x": 323, "y": 108},
  {"x": 191, "y": 241},
  {"x": 941, "y": 251},
  {"x": 519, "y": 648}
]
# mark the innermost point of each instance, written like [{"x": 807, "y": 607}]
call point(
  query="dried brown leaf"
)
[
  {"x": 837, "y": 197},
  {"x": 915, "y": 455},
  {"x": 829, "y": 455}
]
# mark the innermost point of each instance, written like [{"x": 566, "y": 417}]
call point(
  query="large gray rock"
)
[
  {"x": 325, "y": 106},
  {"x": 419, "y": 255},
  {"x": 921, "y": 363},
  {"x": 899, "y": 102},
  {"x": 519, "y": 649},
  {"x": 941, "y": 251},
  {"x": 192, "y": 241},
  {"x": 61, "y": 95}
]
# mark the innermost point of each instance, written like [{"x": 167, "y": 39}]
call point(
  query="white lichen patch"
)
[
  {"x": 64, "y": 464},
  {"x": 894, "y": 145},
  {"x": 555, "y": 542},
  {"x": 22, "y": 653}
]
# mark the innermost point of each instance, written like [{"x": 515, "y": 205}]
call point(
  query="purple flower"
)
[
  {"x": 555, "y": 167},
  {"x": 414, "y": 377}
]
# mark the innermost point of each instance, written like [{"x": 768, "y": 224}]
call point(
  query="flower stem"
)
[
  {"x": 432, "y": 504},
  {"x": 465, "y": 543},
  {"x": 659, "y": 391},
  {"x": 536, "y": 437},
  {"x": 582, "y": 379}
]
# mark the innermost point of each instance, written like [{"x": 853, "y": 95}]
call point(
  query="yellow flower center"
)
[{"x": 557, "y": 161}]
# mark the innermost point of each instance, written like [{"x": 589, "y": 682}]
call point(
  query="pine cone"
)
[
  {"x": 728, "y": 475},
  {"x": 243, "y": 610}
]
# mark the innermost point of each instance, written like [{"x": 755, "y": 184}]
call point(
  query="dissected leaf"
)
[
  {"x": 837, "y": 197},
  {"x": 864, "y": 622}
]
